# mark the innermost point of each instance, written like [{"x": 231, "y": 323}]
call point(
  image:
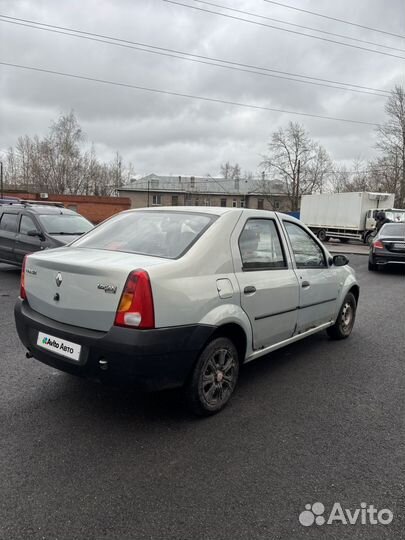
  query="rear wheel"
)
[
  {"x": 345, "y": 320},
  {"x": 214, "y": 378},
  {"x": 372, "y": 266},
  {"x": 321, "y": 234}
]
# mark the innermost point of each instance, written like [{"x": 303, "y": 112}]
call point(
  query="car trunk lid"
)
[
  {"x": 396, "y": 244},
  {"x": 81, "y": 286}
]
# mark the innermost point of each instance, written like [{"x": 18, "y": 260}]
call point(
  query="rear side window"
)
[
  {"x": 307, "y": 252},
  {"x": 260, "y": 246},
  {"x": 9, "y": 222},
  {"x": 158, "y": 234},
  {"x": 27, "y": 224}
]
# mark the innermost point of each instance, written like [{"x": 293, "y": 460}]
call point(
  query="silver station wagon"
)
[{"x": 181, "y": 297}]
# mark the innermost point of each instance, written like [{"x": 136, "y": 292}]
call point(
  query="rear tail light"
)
[
  {"x": 136, "y": 305},
  {"x": 378, "y": 245},
  {"x": 23, "y": 294}
]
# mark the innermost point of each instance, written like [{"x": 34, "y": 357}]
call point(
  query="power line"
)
[
  {"x": 234, "y": 17},
  {"x": 300, "y": 26},
  {"x": 334, "y": 19},
  {"x": 189, "y": 96},
  {"x": 266, "y": 72}
]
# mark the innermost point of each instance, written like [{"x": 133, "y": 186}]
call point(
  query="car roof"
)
[
  {"x": 41, "y": 209},
  {"x": 216, "y": 210},
  {"x": 212, "y": 210}
]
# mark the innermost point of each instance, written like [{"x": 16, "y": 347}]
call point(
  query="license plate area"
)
[
  {"x": 399, "y": 247},
  {"x": 58, "y": 346}
]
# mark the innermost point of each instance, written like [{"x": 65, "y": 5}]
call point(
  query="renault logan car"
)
[{"x": 181, "y": 297}]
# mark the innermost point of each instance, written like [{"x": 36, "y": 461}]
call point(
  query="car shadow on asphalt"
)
[{"x": 126, "y": 404}]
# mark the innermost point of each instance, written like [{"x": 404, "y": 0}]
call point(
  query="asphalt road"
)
[{"x": 319, "y": 421}]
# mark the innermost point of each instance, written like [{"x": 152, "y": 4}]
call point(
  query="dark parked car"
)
[
  {"x": 388, "y": 246},
  {"x": 27, "y": 227}
]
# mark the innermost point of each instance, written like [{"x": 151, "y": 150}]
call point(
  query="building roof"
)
[{"x": 203, "y": 184}]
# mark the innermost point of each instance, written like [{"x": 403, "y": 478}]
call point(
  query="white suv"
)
[{"x": 181, "y": 297}]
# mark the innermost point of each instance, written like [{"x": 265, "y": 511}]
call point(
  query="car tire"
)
[
  {"x": 372, "y": 266},
  {"x": 321, "y": 234},
  {"x": 345, "y": 320},
  {"x": 214, "y": 378}
]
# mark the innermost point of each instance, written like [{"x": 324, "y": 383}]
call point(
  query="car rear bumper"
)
[
  {"x": 150, "y": 359},
  {"x": 383, "y": 257}
]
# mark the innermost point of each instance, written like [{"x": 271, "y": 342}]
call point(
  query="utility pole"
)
[
  {"x": 1, "y": 180},
  {"x": 297, "y": 185}
]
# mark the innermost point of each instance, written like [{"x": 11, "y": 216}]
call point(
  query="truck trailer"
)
[{"x": 347, "y": 216}]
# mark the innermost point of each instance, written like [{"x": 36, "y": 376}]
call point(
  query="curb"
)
[{"x": 348, "y": 252}]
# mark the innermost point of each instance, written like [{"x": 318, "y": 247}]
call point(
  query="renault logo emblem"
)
[{"x": 58, "y": 279}]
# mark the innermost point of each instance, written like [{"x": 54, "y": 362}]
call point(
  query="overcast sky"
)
[{"x": 175, "y": 135}]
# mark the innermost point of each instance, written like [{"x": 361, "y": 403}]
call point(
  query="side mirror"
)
[
  {"x": 340, "y": 260},
  {"x": 35, "y": 232}
]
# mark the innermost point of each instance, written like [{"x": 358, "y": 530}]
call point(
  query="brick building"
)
[
  {"x": 157, "y": 190},
  {"x": 95, "y": 209}
]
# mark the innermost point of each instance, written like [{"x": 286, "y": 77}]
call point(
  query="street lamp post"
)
[{"x": 1, "y": 179}]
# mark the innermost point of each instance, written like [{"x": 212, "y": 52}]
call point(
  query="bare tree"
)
[
  {"x": 59, "y": 163},
  {"x": 338, "y": 180},
  {"x": 231, "y": 172},
  {"x": 296, "y": 161},
  {"x": 391, "y": 144}
]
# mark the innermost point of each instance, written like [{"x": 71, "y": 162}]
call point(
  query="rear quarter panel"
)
[{"x": 185, "y": 291}]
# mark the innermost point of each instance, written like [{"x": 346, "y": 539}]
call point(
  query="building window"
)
[
  {"x": 260, "y": 204},
  {"x": 175, "y": 200},
  {"x": 223, "y": 202},
  {"x": 234, "y": 203},
  {"x": 156, "y": 200},
  {"x": 192, "y": 181},
  {"x": 277, "y": 205},
  {"x": 242, "y": 203}
]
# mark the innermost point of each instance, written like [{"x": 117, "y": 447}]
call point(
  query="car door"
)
[
  {"x": 268, "y": 284},
  {"x": 318, "y": 280},
  {"x": 25, "y": 243},
  {"x": 8, "y": 233}
]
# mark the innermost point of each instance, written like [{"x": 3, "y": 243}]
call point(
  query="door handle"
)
[
  {"x": 305, "y": 284},
  {"x": 250, "y": 289}
]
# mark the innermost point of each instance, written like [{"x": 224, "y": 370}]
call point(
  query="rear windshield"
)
[
  {"x": 393, "y": 229},
  {"x": 158, "y": 234},
  {"x": 65, "y": 224}
]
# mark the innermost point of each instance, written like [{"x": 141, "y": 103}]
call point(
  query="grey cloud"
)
[{"x": 171, "y": 134}]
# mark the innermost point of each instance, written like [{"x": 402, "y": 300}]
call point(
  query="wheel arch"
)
[
  {"x": 236, "y": 334},
  {"x": 355, "y": 290}
]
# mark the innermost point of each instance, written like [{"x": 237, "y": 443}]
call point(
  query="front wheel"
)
[
  {"x": 214, "y": 378},
  {"x": 344, "y": 323}
]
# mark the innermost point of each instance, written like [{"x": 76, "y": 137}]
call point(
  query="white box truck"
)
[{"x": 348, "y": 216}]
